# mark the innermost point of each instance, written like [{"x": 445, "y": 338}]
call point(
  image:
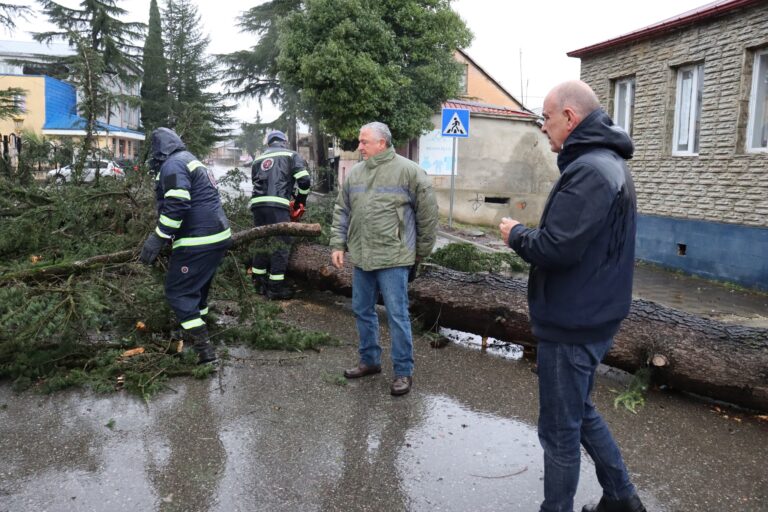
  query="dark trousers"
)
[
  {"x": 190, "y": 273},
  {"x": 568, "y": 419},
  {"x": 271, "y": 260}
]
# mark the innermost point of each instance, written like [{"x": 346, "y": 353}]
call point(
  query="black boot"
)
[
  {"x": 279, "y": 290},
  {"x": 631, "y": 504},
  {"x": 198, "y": 339},
  {"x": 260, "y": 283}
]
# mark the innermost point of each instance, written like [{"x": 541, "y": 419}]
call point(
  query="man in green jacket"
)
[{"x": 386, "y": 218}]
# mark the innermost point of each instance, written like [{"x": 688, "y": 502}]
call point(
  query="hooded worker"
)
[
  {"x": 280, "y": 182},
  {"x": 192, "y": 220}
]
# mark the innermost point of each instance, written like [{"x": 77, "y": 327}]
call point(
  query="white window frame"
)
[
  {"x": 688, "y": 111},
  {"x": 753, "y": 128},
  {"x": 627, "y": 106}
]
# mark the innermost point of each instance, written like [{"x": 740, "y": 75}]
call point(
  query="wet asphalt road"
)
[{"x": 282, "y": 432}]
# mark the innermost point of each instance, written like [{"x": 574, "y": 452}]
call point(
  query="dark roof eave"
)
[{"x": 662, "y": 28}]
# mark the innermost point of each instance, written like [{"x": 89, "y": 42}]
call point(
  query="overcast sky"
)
[{"x": 532, "y": 36}]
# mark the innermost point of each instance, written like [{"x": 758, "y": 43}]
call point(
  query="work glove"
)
[{"x": 151, "y": 248}]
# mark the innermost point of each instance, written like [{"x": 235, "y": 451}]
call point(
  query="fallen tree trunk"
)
[
  {"x": 75, "y": 267},
  {"x": 694, "y": 354}
]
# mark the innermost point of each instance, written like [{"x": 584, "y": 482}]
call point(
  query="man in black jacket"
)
[
  {"x": 579, "y": 291},
  {"x": 278, "y": 175}
]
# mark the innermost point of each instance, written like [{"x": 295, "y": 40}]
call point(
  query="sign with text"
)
[{"x": 436, "y": 153}]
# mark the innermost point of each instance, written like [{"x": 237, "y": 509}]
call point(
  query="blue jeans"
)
[
  {"x": 393, "y": 285},
  {"x": 567, "y": 418}
]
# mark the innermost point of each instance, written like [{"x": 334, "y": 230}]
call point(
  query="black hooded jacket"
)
[
  {"x": 188, "y": 203},
  {"x": 278, "y": 175},
  {"x": 582, "y": 254}
]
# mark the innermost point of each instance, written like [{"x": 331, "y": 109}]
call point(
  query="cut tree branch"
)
[{"x": 41, "y": 272}]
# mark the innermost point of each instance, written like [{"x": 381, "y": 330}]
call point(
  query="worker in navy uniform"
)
[
  {"x": 192, "y": 220},
  {"x": 280, "y": 182}
]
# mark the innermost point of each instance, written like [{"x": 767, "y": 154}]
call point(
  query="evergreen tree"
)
[
  {"x": 106, "y": 59},
  {"x": 9, "y": 104},
  {"x": 97, "y": 25},
  {"x": 197, "y": 115},
  {"x": 251, "y": 137},
  {"x": 355, "y": 61},
  {"x": 253, "y": 73},
  {"x": 154, "y": 87},
  {"x": 9, "y": 14},
  {"x": 86, "y": 73}
]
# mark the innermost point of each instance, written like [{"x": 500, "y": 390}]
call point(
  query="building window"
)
[
  {"x": 624, "y": 103},
  {"x": 20, "y": 102},
  {"x": 464, "y": 80},
  {"x": 688, "y": 110},
  {"x": 757, "y": 129}
]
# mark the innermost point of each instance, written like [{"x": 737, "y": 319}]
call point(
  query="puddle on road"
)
[
  {"x": 486, "y": 344},
  {"x": 460, "y": 459}
]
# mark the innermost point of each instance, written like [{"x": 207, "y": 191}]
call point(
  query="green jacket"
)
[{"x": 386, "y": 213}]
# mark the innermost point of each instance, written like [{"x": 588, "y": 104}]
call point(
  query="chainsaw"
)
[{"x": 296, "y": 213}]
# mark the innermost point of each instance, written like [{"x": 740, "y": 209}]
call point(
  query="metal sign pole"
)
[{"x": 453, "y": 175}]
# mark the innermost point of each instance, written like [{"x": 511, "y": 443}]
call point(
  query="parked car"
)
[{"x": 107, "y": 169}]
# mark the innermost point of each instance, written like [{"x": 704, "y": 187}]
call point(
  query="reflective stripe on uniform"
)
[
  {"x": 258, "y": 271},
  {"x": 301, "y": 174},
  {"x": 179, "y": 193},
  {"x": 161, "y": 234},
  {"x": 272, "y": 155},
  {"x": 167, "y": 221},
  {"x": 269, "y": 199},
  {"x": 304, "y": 191},
  {"x": 191, "y": 324},
  {"x": 193, "y": 241},
  {"x": 194, "y": 164},
  {"x": 204, "y": 311},
  {"x": 277, "y": 277}
]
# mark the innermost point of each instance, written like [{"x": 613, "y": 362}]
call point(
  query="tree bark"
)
[
  {"x": 75, "y": 267},
  {"x": 690, "y": 353}
]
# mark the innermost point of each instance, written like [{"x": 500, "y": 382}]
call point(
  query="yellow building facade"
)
[{"x": 49, "y": 108}]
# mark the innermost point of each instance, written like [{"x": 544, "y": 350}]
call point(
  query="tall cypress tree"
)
[
  {"x": 198, "y": 115},
  {"x": 155, "y": 107}
]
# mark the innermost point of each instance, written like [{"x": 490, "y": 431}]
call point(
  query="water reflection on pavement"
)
[{"x": 280, "y": 432}]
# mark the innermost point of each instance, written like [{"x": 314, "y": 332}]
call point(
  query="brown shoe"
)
[
  {"x": 361, "y": 371},
  {"x": 401, "y": 385}
]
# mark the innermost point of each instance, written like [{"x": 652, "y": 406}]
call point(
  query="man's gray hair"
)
[{"x": 381, "y": 130}]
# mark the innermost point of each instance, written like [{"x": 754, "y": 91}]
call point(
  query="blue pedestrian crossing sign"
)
[{"x": 455, "y": 122}]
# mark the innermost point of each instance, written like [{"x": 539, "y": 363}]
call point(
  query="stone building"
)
[{"x": 693, "y": 93}]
